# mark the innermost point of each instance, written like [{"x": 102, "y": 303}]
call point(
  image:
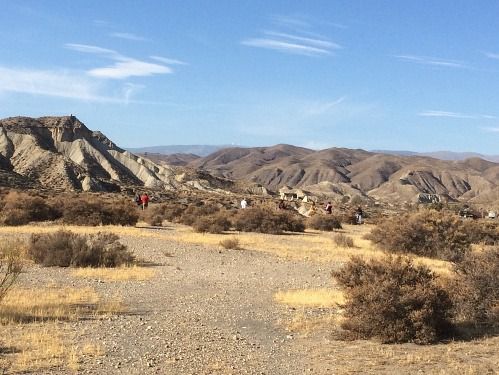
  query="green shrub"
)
[
  {"x": 64, "y": 249},
  {"x": 262, "y": 220},
  {"x": 324, "y": 222},
  {"x": 476, "y": 287},
  {"x": 394, "y": 301},
  {"x": 426, "y": 233}
]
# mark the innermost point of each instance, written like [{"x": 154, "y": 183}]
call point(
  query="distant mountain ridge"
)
[
  {"x": 199, "y": 150},
  {"x": 339, "y": 171},
  {"x": 443, "y": 155}
]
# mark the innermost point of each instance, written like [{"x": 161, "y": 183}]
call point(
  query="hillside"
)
[
  {"x": 337, "y": 171},
  {"x": 62, "y": 153}
]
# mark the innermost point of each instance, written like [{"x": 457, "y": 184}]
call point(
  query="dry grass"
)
[
  {"x": 133, "y": 273},
  {"x": 310, "y": 297},
  {"x": 38, "y": 347},
  {"x": 35, "y": 305}
]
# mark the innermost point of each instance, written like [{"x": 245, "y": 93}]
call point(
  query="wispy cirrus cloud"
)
[
  {"x": 123, "y": 67},
  {"x": 167, "y": 60},
  {"x": 491, "y": 129},
  {"x": 433, "y": 61},
  {"x": 294, "y": 44},
  {"x": 492, "y": 55},
  {"x": 128, "y": 36},
  {"x": 456, "y": 115},
  {"x": 293, "y": 35}
]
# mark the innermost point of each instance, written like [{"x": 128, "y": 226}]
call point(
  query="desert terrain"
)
[{"x": 193, "y": 307}]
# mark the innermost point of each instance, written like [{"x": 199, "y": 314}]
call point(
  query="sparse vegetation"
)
[
  {"x": 394, "y": 301},
  {"x": 65, "y": 248},
  {"x": 343, "y": 240},
  {"x": 11, "y": 264},
  {"x": 324, "y": 222},
  {"x": 262, "y": 220},
  {"x": 230, "y": 243},
  {"x": 426, "y": 233},
  {"x": 476, "y": 287},
  {"x": 23, "y": 208},
  {"x": 98, "y": 211},
  {"x": 216, "y": 223}
]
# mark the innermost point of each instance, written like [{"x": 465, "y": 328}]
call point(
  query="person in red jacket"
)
[{"x": 144, "y": 198}]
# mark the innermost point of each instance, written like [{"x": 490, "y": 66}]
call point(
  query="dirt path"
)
[{"x": 205, "y": 311}]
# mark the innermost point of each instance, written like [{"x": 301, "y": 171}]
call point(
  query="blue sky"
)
[{"x": 402, "y": 75}]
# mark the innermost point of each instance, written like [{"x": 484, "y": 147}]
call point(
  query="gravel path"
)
[{"x": 205, "y": 311}]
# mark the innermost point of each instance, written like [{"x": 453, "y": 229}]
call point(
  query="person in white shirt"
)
[{"x": 244, "y": 204}]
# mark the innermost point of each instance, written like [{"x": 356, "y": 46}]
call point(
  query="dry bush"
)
[
  {"x": 266, "y": 221},
  {"x": 192, "y": 213},
  {"x": 484, "y": 232},
  {"x": 99, "y": 211},
  {"x": 394, "y": 301},
  {"x": 156, "y": 214},
  {"x": 11, "y": 264},
  {"x": 64, "y": 249},
  {"x": 426, "y": 233},
  {"x": 343, "y": 240},
  {"x": 230, "y": 243},
  {"x": 475, "y": 290},
  {"x": 217, "y": 223},
  {"x": 324, "y": 222},
  {"x": 22, "y": 208}
]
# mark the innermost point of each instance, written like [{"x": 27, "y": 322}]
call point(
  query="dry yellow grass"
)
[
  {"x": 134, "y": 273},
  {"x": 310, "y": 297},
  {"x": 40, "y": 304},
  {"x": 38, "y": 347}
]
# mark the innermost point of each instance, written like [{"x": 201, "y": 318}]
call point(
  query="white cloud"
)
[
  {"x": 167, "y": 60},
  {"x": 424, "y": 60},
  {"x": 63, "y": 84},
  {"x": 130, "y": 68},
  {"x": 128, "y": 36},
  {"x": 456, "y": 115},
  {"x": 322, "y": 107},
  {"x": 124, "y": 67},
  {"x": 491, "y": 55},
  {"x": 285, "y": 46}
]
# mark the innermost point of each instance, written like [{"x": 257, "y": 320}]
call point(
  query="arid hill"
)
[
  {"x": 62, "y": 153},
  {"x": 339, "y": 171}
]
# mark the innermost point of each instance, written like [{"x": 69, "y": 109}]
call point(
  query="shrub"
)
[
  {"x": 476, "y": 287},
  {"x": 324, "y": 222},
  {"x": 64, "y": 249},
  {"x": 394, "y": 301},
  {"x": 230, "y": 243},
  {"x": 156, "y": 214},
  {"x": 97, "y": 211},
  {"x": 266, "y": 221},
  {"x": 22, "y": 208},
  {"x": 342, "y": 240},
  {"x": 216, "y": 223},
  {"x": 192, "y": 213},
  {"x": 426, "y": 233},
  {"x": 11, "y": 264}
]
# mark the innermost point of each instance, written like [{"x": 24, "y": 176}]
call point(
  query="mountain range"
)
[{"x": 61, "y": 153}]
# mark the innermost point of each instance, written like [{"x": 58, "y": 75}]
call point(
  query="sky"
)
[{"x": 394, "y": 75}]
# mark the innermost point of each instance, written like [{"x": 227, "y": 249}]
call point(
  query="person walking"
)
[
  {"x": 329, "y": 208},
  {"x": 145, "y": 200},
  {"x": 244, "y": 204},
  {"x": 358, "y": 215}
]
